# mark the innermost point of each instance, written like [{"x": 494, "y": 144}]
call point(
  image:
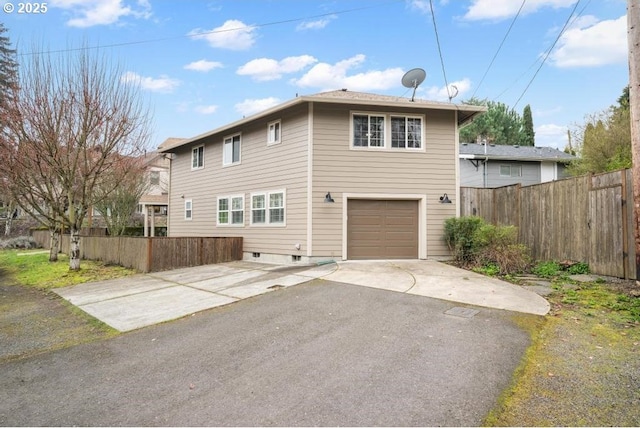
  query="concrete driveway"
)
[
  {"x": 145, "y": 299},
  {"x": 318, "y": 354}
]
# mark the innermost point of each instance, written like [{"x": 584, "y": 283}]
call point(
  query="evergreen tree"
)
[
  {"x": 8, "y": 75},
  {"x": 528, "y": 134},
  {"x": 500, "y": 124}
]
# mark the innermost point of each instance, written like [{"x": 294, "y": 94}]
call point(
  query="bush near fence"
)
[
  {"x": 587, "y": 219},
  {"x": 151, "y": 254}
]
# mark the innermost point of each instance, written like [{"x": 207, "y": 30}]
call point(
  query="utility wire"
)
[
  {"x": 435, "y": 28},
  {"x": 204, "y": 33},
  {"x": 566, "y": 25},
  {"x": 499, "y": 47}
]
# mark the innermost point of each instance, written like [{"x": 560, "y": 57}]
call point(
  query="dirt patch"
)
[{"x": 34, "y": 321}]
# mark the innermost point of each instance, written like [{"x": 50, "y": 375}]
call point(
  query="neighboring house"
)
[
  {"x": 336, "y": 175},
  {"x": 492, "y": 165},
  {"x": 155, "y": 202}
]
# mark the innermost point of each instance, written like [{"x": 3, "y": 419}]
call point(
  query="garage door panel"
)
[{"x": 382, "y": 229}]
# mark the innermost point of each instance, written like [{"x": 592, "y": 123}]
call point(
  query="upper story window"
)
[
  {"x": 273, "y": 133},
  {"x": 231, "y": 150},
  {"x": 406, "y": 132},
  {"x": 154, "y": 178},
  {"x": 197, "y": 157},
  {"x": 387, "y": 131},
  {"x": 368, "y": 130},
  {"x": 510, "y": 170}
]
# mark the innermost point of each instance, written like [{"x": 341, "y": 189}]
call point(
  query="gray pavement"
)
[
  {"x": 318, "y": 354},
  {"x": 142, "y": 300}
]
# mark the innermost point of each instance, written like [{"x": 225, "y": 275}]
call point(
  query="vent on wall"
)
[
  {"x": 256, "y": 255},
  {"x": 296, "y": 258}
]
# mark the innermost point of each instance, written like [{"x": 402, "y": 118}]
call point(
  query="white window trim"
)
[
  {"x": 224, "y": 143},
  {"x": 511, "y": 168},
  {"x": 190, "y": 210},
  {"x": 387, "y": 132},
  {"x": 267, "y": 218},
  {"x": 193, "y": 150},
  {"x": 230, "y": 223},
  {"x": 279, "y": 140}
]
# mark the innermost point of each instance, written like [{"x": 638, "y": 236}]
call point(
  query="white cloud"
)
[
  {"x": 316, "y": 25},
  {"x": 249, "y": 107},
  {"x": 233, "y": 35},
  {"x": 210, "y": 109},
  {"x": 591, "y": 45},
  {"x": 203, "y": 65},
  {"x": 328, "y": 77},
  {"x": 551, "y": 135},
  {"x": 161, "y": 84},
  {"x": 263, "y": 69},
  {"x": 87, "y": 13},
  {"x": 456, "y": 89},
  {"x": 502, "y": 9}
]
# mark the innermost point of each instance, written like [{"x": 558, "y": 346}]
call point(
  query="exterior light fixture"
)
[
  {"x": 328, "y": 198},
  {"x": 444, "y": 199}
]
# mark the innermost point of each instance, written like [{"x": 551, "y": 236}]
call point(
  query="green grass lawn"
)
[{"x": 32, "y": 268}]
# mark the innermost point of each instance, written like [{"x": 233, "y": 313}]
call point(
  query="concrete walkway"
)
[{"x": 141, "y": 300}]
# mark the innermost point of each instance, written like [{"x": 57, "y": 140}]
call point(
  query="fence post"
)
[
  {"x": 149, "y": 254},
  {"x": 625, "y": 240}
]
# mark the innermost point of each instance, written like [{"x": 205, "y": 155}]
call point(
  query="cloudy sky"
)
[{"x": 204, "y": 63}]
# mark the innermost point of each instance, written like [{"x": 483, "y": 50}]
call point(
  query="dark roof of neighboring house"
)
[
  {"x": 465, "y": 112},
  {"x": 519, "y": 153}
]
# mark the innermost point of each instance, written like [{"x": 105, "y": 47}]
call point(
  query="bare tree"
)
[
  {"x": 117, "y": 202},
  {"x": 74, "y": 120}
]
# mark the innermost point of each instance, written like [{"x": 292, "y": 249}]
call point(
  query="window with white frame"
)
[
  {"x": 231, "y": 211},
  {"x": 273, "y": 133},
  {"x": 197, "y": 157},
  {"x": 510, "y": 170},
  {"x": 231, "y": 150},
  {"x": 368, "y": 130},
  {"x": 387, "y": 131},
  {"x": 188, "y": 209},
  {"x": 406, "y": 132},
  {"x": 268, "y": 208},
  {"x": 258, "y": 208}
]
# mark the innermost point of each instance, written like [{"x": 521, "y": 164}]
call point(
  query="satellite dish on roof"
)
[{"x": 413, "y": 78}]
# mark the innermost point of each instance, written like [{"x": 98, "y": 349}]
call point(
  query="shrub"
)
[
  {"x": 579, "y": 268},
  {"x": 459, "y": 234},
  {"x": 546, "y": 269},
  {"x": 21, "y": 242},
  {"x": 498, "y": 246}
]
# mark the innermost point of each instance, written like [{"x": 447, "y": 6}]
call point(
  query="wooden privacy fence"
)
[
  {"x": 587, "y": 218},
  {"x": 152, "y": 254}
]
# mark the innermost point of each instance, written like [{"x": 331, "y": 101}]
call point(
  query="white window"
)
[
  {"x": 231, "y": 150},
  {"x": 188, "y": 209},
  {"x": 273, "y": 133},
  {"x": 368, "y": 130},
  {"x": 406, "y": 132},
  {"x": 231, "y": 211},
  {"x": 258, "y": 209},
  {"x": 268, "y": 208},
  {"x": 197, "y": 157},
  {"x": 510, "y": 170}
]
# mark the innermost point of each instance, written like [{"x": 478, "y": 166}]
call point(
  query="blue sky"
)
[{"x": 202, "y": 64}]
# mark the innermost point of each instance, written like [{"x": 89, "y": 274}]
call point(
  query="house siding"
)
[
  {"x": 339, "y": 169},
  {"x": 262, "y": 168},
  {"x": 530, "y": 173}
]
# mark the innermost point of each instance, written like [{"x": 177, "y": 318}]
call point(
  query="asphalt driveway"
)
[{"x": 320, "y": 353}]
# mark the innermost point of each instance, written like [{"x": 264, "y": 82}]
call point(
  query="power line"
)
[
  {"x": 566, "y": 24},
  {"x": 499, "y": 48},
  {"x": 162, "y": 39},
  {"x": 435, "y": 28}
]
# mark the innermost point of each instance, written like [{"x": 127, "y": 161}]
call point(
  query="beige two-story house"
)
[{"x": 333, "y": 176}]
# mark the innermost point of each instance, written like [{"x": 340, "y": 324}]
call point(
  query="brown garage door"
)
[{"x": 382, "y": 229}]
